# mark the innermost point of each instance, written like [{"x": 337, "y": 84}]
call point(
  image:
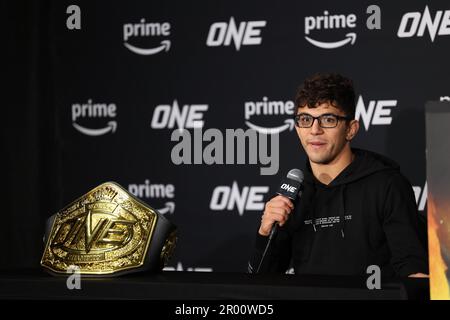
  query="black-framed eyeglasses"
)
[{"x": 327, "y": 120}]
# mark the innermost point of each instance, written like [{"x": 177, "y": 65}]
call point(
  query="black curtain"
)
[{"x": 30, "y": 147}]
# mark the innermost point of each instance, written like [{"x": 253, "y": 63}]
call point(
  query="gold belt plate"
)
[{"x": 105, "y": 231}]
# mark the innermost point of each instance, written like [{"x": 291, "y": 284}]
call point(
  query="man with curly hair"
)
[{"x": 356, "y": 208}]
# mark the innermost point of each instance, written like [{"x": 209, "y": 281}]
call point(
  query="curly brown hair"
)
[{"x": 327, "y": 87}]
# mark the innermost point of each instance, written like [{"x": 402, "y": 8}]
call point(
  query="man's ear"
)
[{"x": 352, "y": 129}]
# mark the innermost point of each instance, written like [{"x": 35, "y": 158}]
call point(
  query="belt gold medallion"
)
[{"x": 108, "y": 231}]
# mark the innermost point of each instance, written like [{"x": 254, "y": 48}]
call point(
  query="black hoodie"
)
[{"x": 381, "y": 225}]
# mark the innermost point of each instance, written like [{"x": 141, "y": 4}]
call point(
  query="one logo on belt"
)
[
  {"x": 105, "y": 231},
  {"x": 97, "y": 230}
]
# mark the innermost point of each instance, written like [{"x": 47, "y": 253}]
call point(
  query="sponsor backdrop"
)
[{"x": 136, "y": 92}]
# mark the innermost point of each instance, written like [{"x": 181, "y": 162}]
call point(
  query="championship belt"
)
[{"x": 108, "y": 231}]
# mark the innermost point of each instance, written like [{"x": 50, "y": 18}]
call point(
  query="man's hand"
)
[
  {"x": 276, "y": 210},
  {"x": 419, "y": 275}
]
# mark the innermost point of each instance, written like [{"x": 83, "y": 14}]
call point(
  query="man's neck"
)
[{"x": 326, "y": 173}]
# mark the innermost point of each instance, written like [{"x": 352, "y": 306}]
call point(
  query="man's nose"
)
[{"x": 315, "y": 128}]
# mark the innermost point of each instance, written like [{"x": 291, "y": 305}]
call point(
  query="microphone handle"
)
[
  {"x": 269, "y": 241},
  {"x": 275, "y": 226},
  {"x": 273, "y": 231}
]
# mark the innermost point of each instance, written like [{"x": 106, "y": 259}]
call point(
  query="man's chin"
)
[{"x": 319, "y": 159}]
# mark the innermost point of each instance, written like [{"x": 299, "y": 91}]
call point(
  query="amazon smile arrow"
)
[
  {"x": 112, "y": 126},
  {"x": 165, "y": 45},
  {"x": 289, "y": 124},
  {"x": 349, "y": 38}
]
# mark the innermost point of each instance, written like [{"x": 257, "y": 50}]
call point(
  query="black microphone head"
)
[
  {"x": 290, "y": 186},
  {"x": 296, "y": 174}
]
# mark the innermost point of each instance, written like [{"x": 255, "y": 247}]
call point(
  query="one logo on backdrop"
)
[
  {"x": 90, "y": 110},
  {"x": 329, "y": 21},
  {"x": 245, "y": 34},
  {"x": 253, "y": 109},
  {"x": 416, "y": 23},
  {"x": 138, "y": 33},
  {"x": 444, "y": 98},
  {"x": 421, "y": 194},
  {"x": 375, "y": 112},
  {"x": 247, "y": 198},
  {"x": 179, "y": 267},
  {"x": 156, "y": 194},
  {"x": 170, "y": 116}
]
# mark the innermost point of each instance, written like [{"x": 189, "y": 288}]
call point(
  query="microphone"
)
[{"x": 289, "y": 188}]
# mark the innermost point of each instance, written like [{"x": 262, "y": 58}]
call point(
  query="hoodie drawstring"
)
[
  {"x": 342, "y": 210},
  {"x": 313, "y": 210}
]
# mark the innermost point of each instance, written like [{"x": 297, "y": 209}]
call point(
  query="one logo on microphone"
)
[
  {"x": 189, "y": 116},
  {"x": 330, "y": 21},
  {"x": 92, "y": 110},
  {"x": 152, "y": 192},
  {"x": 140, "y": 30},
  {"x": 374, "y": 112},
  {"x": 288, "y": 187},
  {"x": 223, "y": 33},
  {"x": 416, "y": 23},
  {"x": 247, "y": 198},
  {"x": 268, "y": 109}
]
